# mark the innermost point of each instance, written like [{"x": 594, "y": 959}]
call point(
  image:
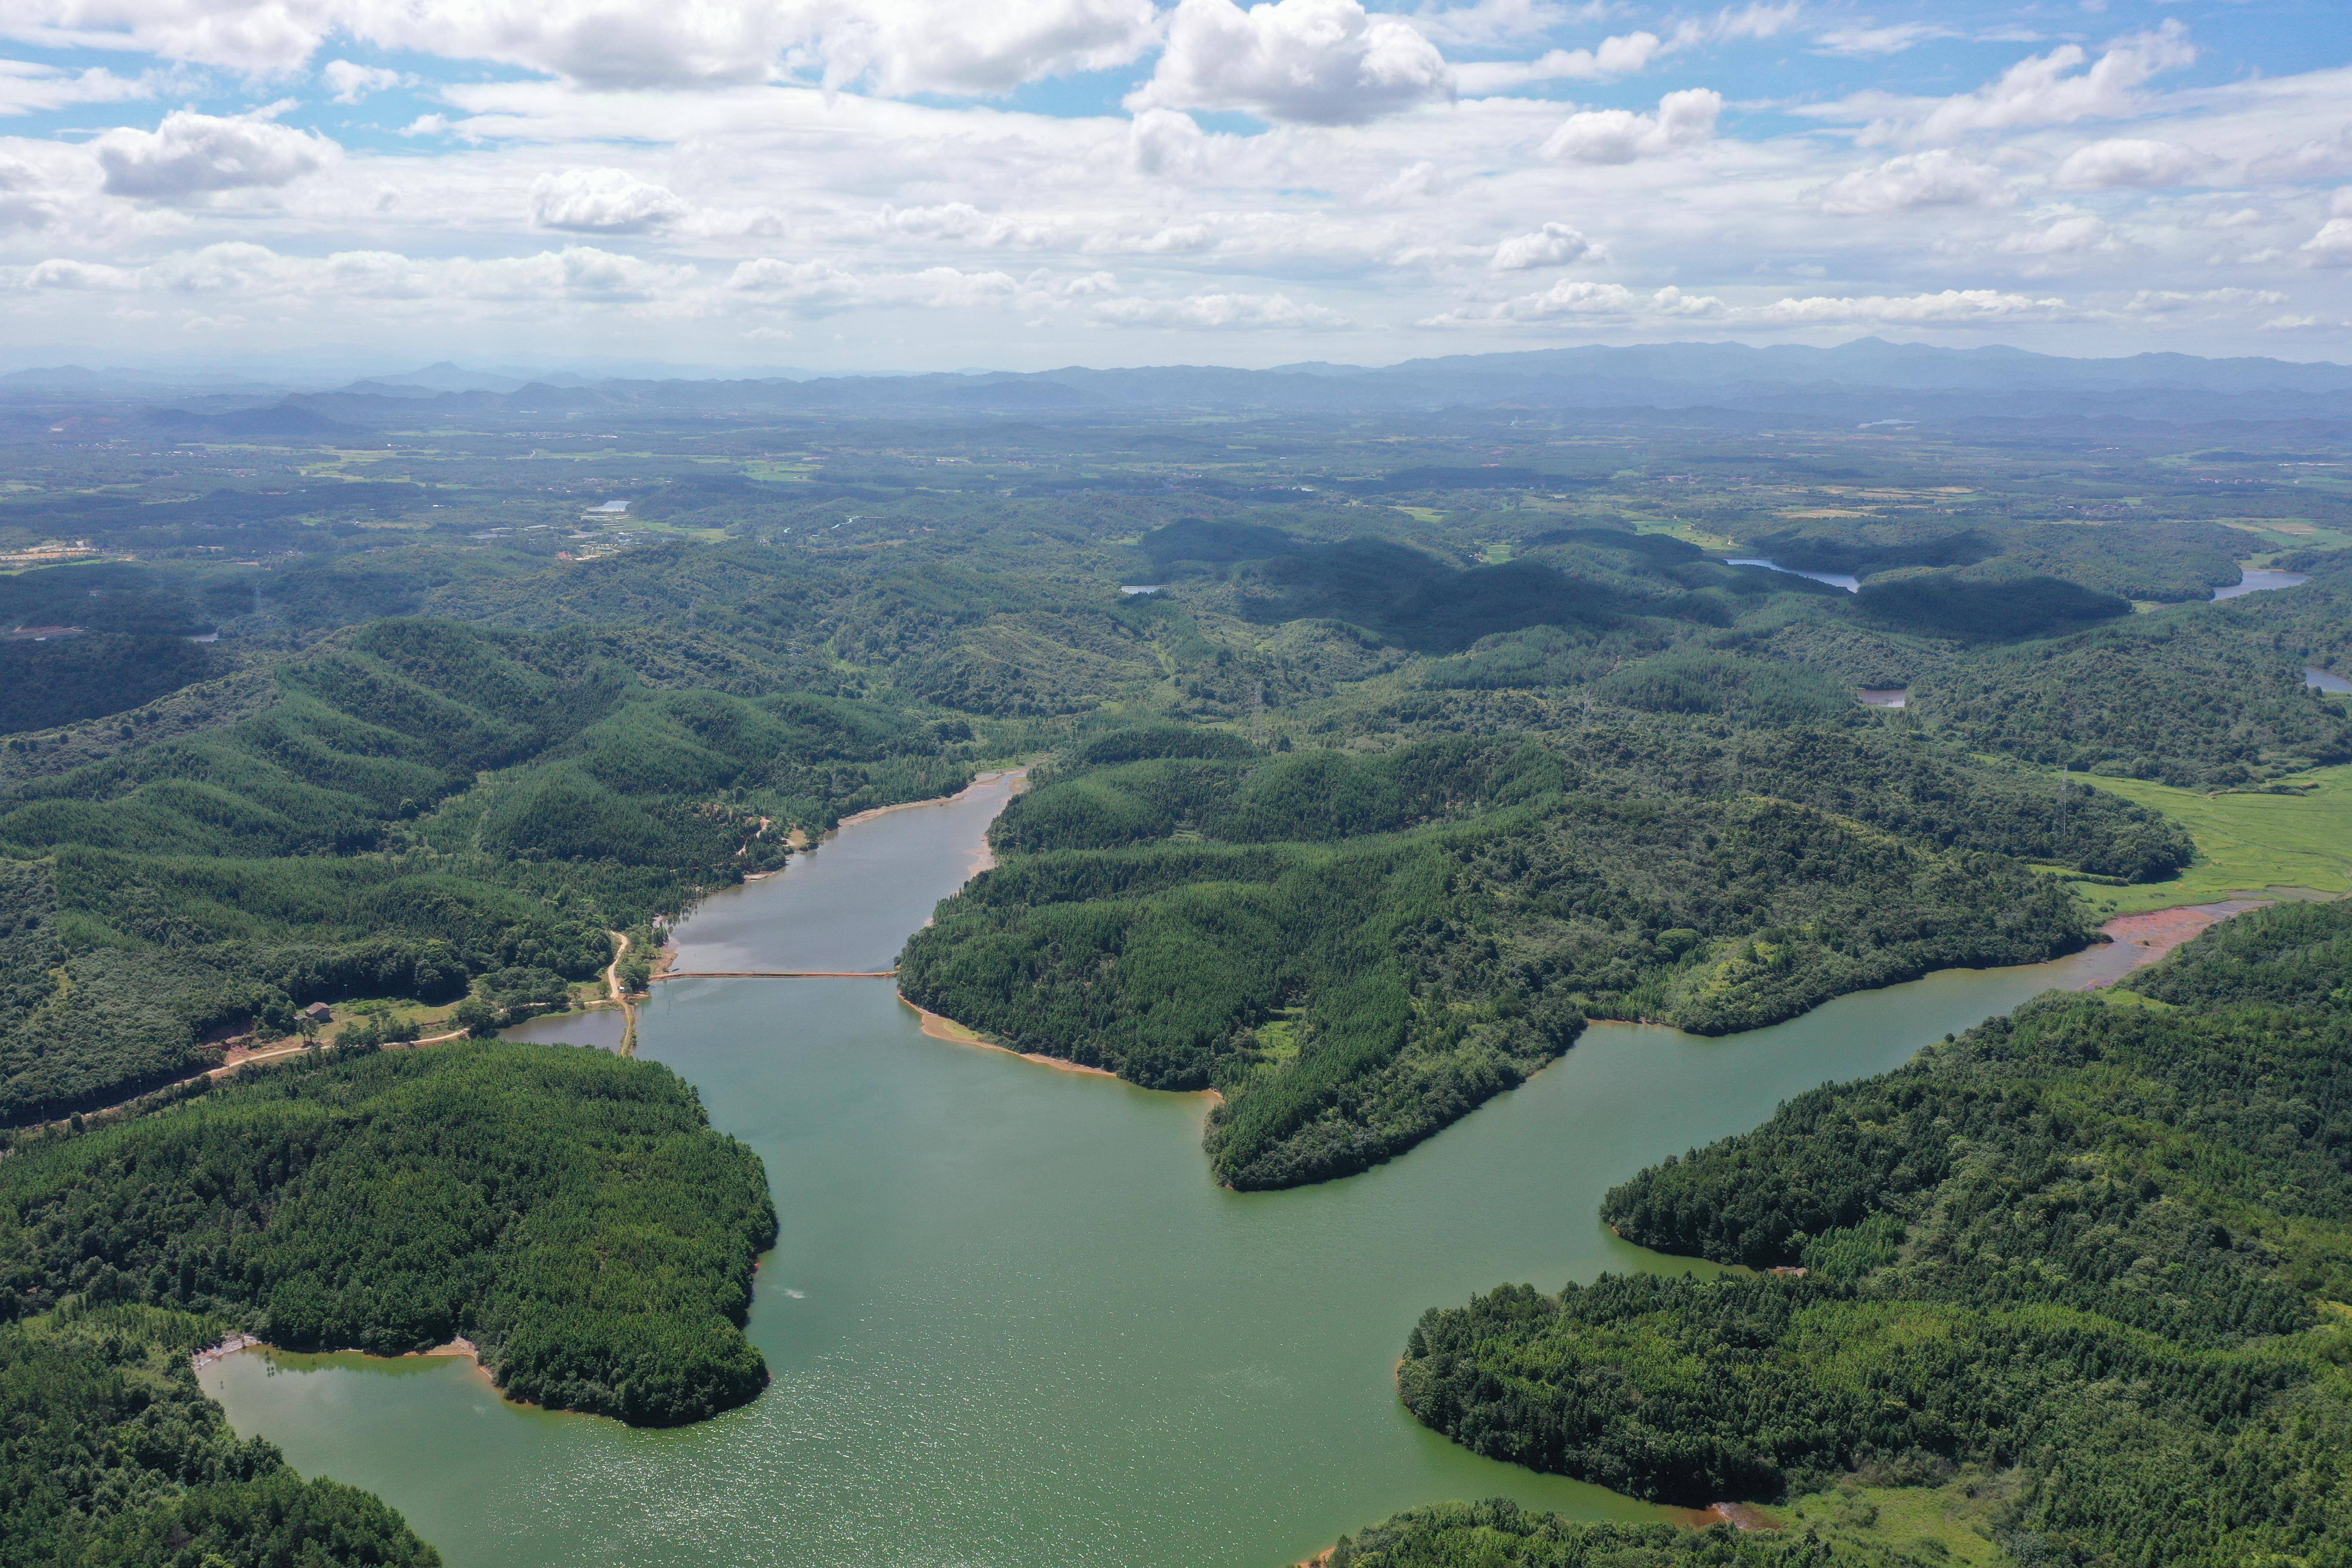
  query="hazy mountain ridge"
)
[{"x": 1868, "y": 379}]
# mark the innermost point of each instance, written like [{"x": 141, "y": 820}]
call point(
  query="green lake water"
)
[{"x": 1012, "y": 1324}]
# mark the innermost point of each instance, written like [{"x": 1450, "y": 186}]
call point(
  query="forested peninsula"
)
[
  {"x": 570, "y": 1213},
  {"x": 2092, "y": 1256},
  {"x": 1354, "y": 952}
]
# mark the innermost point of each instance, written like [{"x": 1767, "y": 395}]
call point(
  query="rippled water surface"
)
[{"x": 1012, "y": 1324}]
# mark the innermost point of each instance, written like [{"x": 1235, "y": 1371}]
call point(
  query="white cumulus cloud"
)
[
  {"x": 353, "y": 82},
  {"x": 602, "y": 201},
  {"x": 1313, "y": 62},
  {"x": 898, "y": 46},
  {"x": 813, "y": 285},
  {"x": 1554, "y": 245},
  {"x": 1623, "y": 55},
  {"x": 1937, "y": 178},
  {"x": 25, "y": 199},
  {"x": 2332, "y": 245},
  {"x": 2127, "y": 161},
  {"x": 2059, "y": 233},
  {"x": 1684, "y": 119},
  {"x": 1166, "y": 144},
  {"x": 193, "y": 155},
  {"x": 980, "y": 45},
  {"x": 2060, "y": 87},
  {"x": 1947, "y": 308}
]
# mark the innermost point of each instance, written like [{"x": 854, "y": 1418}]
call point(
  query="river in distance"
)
[{"x": 1012, "y": 1324}]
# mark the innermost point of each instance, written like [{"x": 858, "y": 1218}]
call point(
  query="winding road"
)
[{"x": 620, "y": 993}]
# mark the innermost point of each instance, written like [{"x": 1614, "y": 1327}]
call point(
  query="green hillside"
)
[{"x": 2105, "y": 1247}]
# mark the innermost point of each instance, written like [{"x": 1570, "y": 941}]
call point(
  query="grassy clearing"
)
[
  {"x": 1688, "y": 532},
  {"x": 2115, "y": 996},
  {"x": 1934, "y": 1524},
  {"x": 2297, "y": 534},
  {"x": 2246, "y": 842}
]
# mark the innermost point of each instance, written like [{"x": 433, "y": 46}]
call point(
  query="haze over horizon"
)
[
  {"x": 267, "y": 374},
  {"x": 854, "y": 186}
]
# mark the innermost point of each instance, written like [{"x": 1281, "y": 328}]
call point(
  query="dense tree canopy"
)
[
  {"x": 423, "y": 804},
  {"x": 570, "y": 1211},
  {"x": 2094, "y": 1241},
  {"x": 1355, "y": 950},
  {"x": 111, "y": 1458},
  {"x": 1439, "y": 737}
]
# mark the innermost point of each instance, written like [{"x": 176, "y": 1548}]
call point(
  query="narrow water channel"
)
[
  {"x": 2258, "y": 580},
  {"x": 1845, "y": 580},
  {"x": 1012, "y": 1324}
]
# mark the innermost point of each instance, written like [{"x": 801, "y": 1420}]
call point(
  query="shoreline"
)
[
  {"x": 800, "y": 843},
  {"x": 459, "y": 1348},
  {"x": 1019, "y": 775},
  {"x": 2155, "y": 932},
  {"x": 939, "y": 1026}
]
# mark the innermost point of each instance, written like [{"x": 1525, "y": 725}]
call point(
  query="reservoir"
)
[
  {"x": 851, "y": 903},
  {"x": 1851, "y": 583},
  {"x": 2257, "y": 580},
  {"x": 1012, "y": 1324}
]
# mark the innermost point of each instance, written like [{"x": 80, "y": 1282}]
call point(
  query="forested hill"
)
[
  {"x": 570, "y": 1211},
  {"x": 1378, "y": 755},
  {"x": 2102, "y": 1247},
  {"x": 418, "y": 804},
  {"x": 116, "y": 1460},
  {"x": 1355, "y": 952}
]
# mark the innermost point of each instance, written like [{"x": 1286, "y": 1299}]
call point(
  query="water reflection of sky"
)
[
  {"x": 1834, "y": 579},
  {"x": 2256, "y": 580}
]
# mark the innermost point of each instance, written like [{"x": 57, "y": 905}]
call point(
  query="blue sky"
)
[{"x": 886, "y": 185}]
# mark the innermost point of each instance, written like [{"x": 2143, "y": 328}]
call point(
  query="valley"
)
[{"x": 1467, "y": 846}]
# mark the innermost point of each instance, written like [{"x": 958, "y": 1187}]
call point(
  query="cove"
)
[
  {"x": 2258, "y": 580},
  {"x": 1012, "y": 1324},
  {"x": 1846, "y": 581}
]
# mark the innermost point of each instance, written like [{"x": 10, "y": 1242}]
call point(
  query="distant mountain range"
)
[{"x": 1866, "y": 381}]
